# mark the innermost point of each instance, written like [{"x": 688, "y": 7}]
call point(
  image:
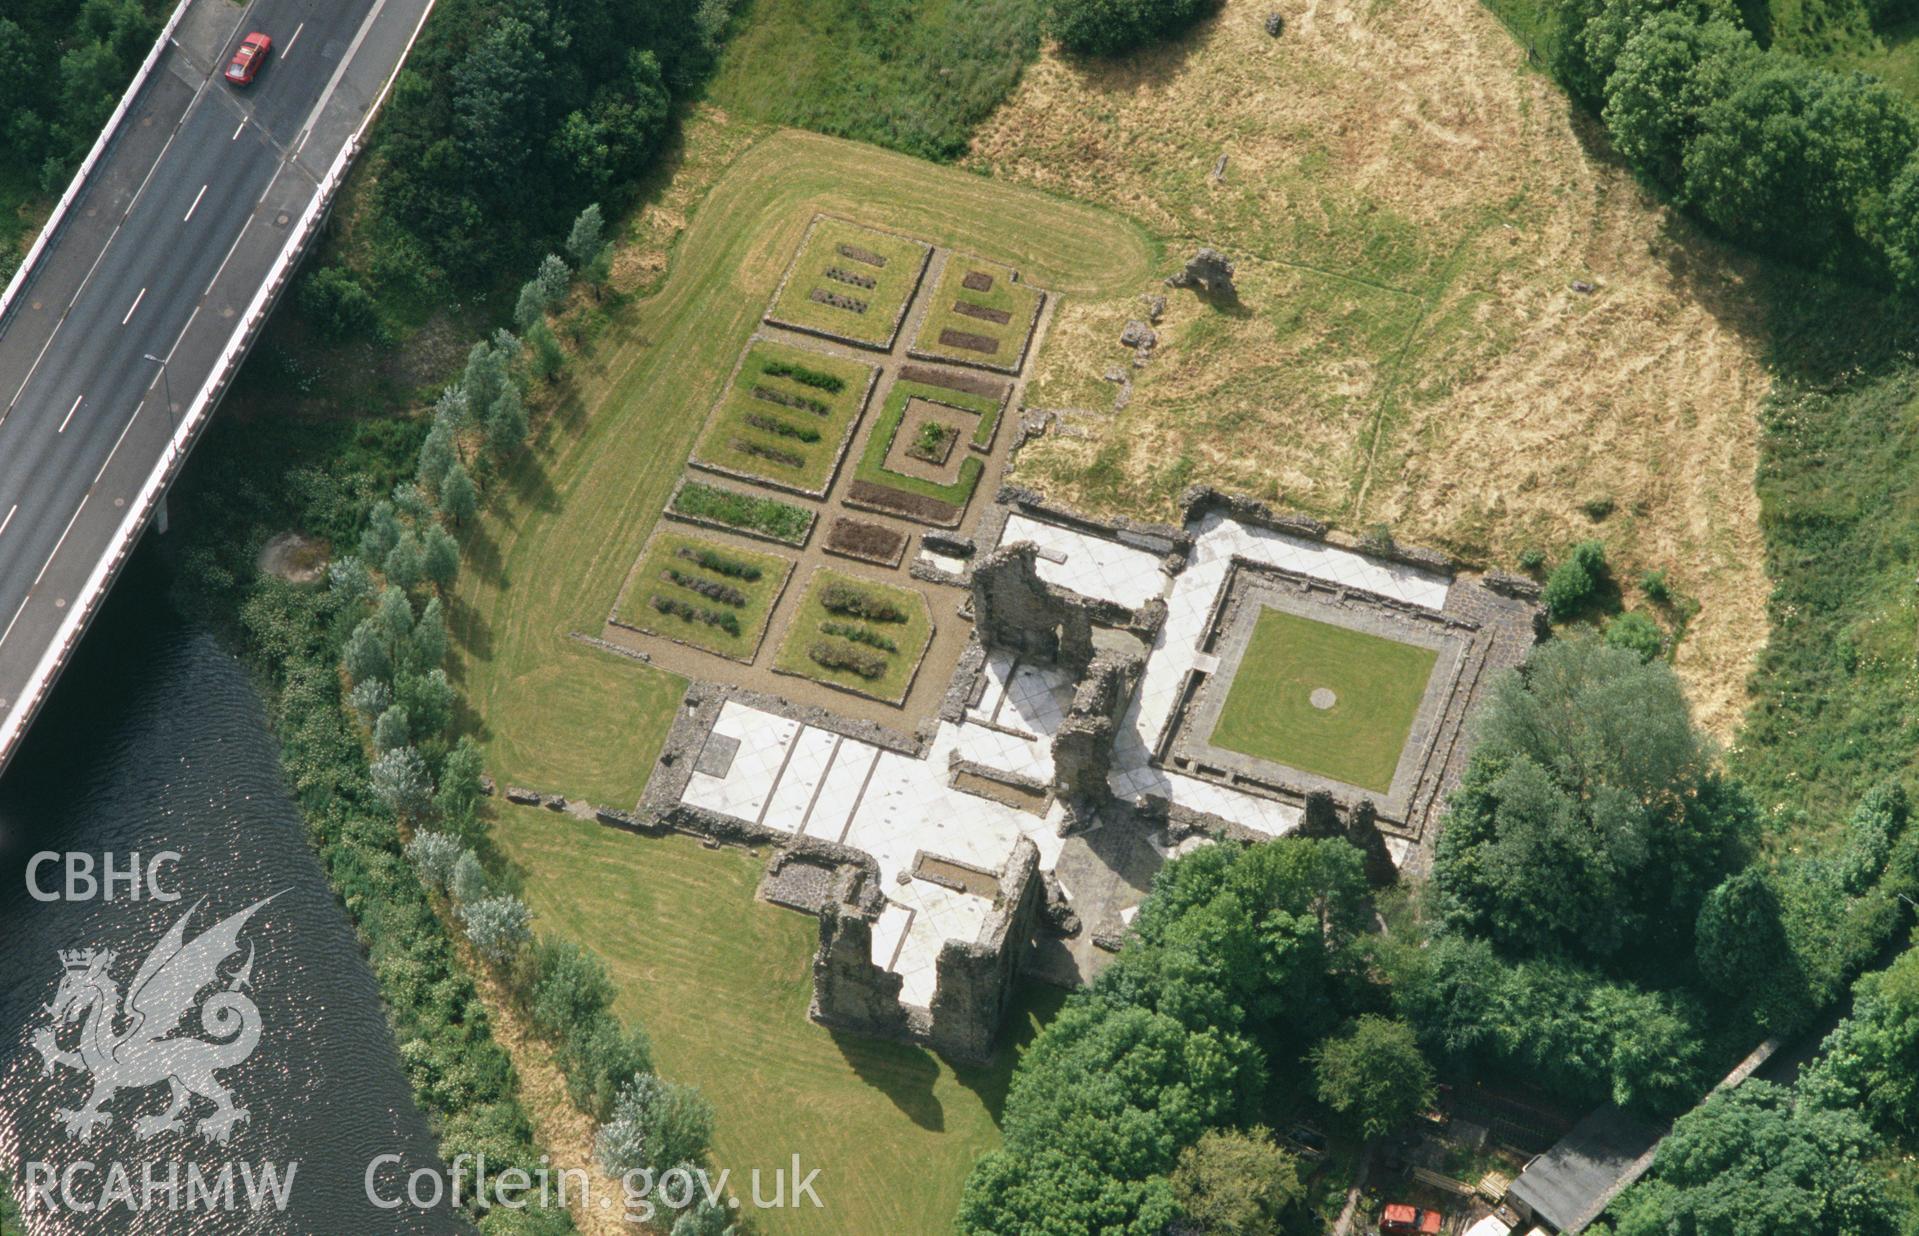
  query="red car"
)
[
  {"x": 1399, "y": 1219},
  {"x": 247, "y": 61}
]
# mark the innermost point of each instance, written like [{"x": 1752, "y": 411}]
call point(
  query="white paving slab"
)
[
  {"x": 841, "y": 789},
  {"x": 1092, "y": 566}
]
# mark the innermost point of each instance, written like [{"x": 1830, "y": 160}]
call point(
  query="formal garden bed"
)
[
  {"x": 889, "y": 477},
  {"x": 866, "y": 541},
  {"x": 857, "y": 635},
  {"x": 786, "y": 417},
  {"x": 979, "y": 314},
  {"x": 702, "y": 593},
  {"x": 720, "y": 506},
  {"x": 850, "y": 283}
]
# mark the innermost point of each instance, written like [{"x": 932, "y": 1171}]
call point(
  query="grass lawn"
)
[
  {"x": 910, "y": 637},
  {"x": 913, "y": 75},
  {"x": 872, "y": 464},
  {"x": 721, "y": 983},
  {"x": 563, "y": 530},
  {"x": 669, "y": 573},
  {"x": 773, "y": 426},
  {"x": 1270, "y": 715},
  {"x": 837, "y": 252},
  {"x": 1017, "y": 301}
]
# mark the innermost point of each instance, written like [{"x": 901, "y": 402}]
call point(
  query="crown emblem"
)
[{"x": 83, "y": 958}]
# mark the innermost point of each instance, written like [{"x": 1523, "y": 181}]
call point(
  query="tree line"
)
[{"x": 1816, "y": 165}]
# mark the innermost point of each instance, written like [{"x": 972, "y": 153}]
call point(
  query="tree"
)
[
  {"x": 350, "y": 581},
  {"x": 587, "y": 237},
  {"x": 382, "y": 532},
  {"x": 399, "y": 779},
  {"x": 437, "y": 456},
  {"x": 1109, "y": 27},
  {"x": 392, "y": 730},
  {"x": 506, "y": 422},
  {"x": 1670, "y": 68},
  {"x": 497, "y": 926},
  {"x": 1752, "y": 1161},
  {"x": 703, "y": 1219},
  {"x": 468, "y": 880},
  {"x": 1374, "y": 1076},
  {"x": 460, "y": 781},
  {"x": 404, "y": 566},
  {"x": 656, "y": 1125},
  {"x": 429, "y": 699},
  {"x": 1636, "y": 633},
  {"x": 426, "y": 642},
  {"x": 552, "y": 279},
  {"x": 570, "y": 987},
  {"x": 486, "y": 375},
  {"x": 370, "y": 697},
  {"x": 1577, "y": 583},
  {"x": 529, "y": 308},
  {"x": 440, "y": 557},
  {"x": 367, "y": 659},
  {"x": 1591, "y": 816},
  {"x": 459, "y": 500},
  {"x": 338, "y": 306},
  {"x": 1234, "y": 1182},
  {"x": 1871, "y": 1059},
  {"x": 434, "y": 855},
  {"x": 393, "y": 618},
  {"x": 1740, "y": 938}
]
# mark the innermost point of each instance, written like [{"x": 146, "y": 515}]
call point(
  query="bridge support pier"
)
[{"x": 160, "y": 516}]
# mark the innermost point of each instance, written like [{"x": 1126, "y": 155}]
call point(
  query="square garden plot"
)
[
  {"x": 786, "y": 417},
  {"x": 850, "y": 282},
  {"x": 697, "y": 591},
  {"x": 934, "y": 484},
  {"x": 858, "y": 635},
  {"x": 1325, "y": 699},
  {"x": 978, "y": 314}
]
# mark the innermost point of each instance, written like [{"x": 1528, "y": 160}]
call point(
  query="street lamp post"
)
[{"x": 166, "y": 391}]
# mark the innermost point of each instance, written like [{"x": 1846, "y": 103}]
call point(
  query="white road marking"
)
[
  {"x": 288, "y": 49},
  {"x": 8, "y": 519},
  {"x": 136, "y": 304},
  {"x": 62, "y": 541},
  {"x": 223, "y": 264},
  {"x": 16, "y": 618},
  {"x": 196, "y": 204},
  {"x": 70, "y": 411},
  {"x": 237, "y": 131},
  {"x": 116, "y": 445}
]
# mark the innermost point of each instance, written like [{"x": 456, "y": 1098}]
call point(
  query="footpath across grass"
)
[{"x": 722, "y": 984}]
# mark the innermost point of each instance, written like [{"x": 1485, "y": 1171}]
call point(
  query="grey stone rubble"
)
[{"x": 1210, "y": 272}]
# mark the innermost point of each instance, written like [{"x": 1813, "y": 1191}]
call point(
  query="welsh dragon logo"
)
[{"x": 139, "y": 1043}]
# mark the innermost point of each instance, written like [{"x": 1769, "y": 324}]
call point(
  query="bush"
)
[
  {"x": 780, "y": 428},
  {"x": 725, "y": 621},
  {"x": 711, "y": 589},
  {"x": 1109, "y": 27},
  {"x": 718, "y": 563},
  {"x": 1638, "y": 634},
  {"x": 859, "y": 635},
  {"x": 497, "y": 926},
  {"x": 338, "y": 306},
  {"x": 780, "y": 520},
  {"x": 868, "y": 665},
  {"x": 656, "y": 1125},
  {"x": 843, "y": 598},
  {"x": 1578, "y": 583},
  {"x": 832, "y": 384}
]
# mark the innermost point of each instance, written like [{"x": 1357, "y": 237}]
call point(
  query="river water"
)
[{"x": 156, "y": 740}]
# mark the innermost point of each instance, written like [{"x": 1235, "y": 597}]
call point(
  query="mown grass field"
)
[
  {"x": 1377, "y": 683},
  {"x": 551, "y": 553},
  {"x": 722, "y": 982}
]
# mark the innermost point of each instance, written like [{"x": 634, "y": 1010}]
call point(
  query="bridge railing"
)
[
  {"x": 141, "y": 510},
  {"x": 56, "y": 222}
]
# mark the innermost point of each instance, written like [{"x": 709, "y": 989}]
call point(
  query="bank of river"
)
[{"x": 156, "y": 740}]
